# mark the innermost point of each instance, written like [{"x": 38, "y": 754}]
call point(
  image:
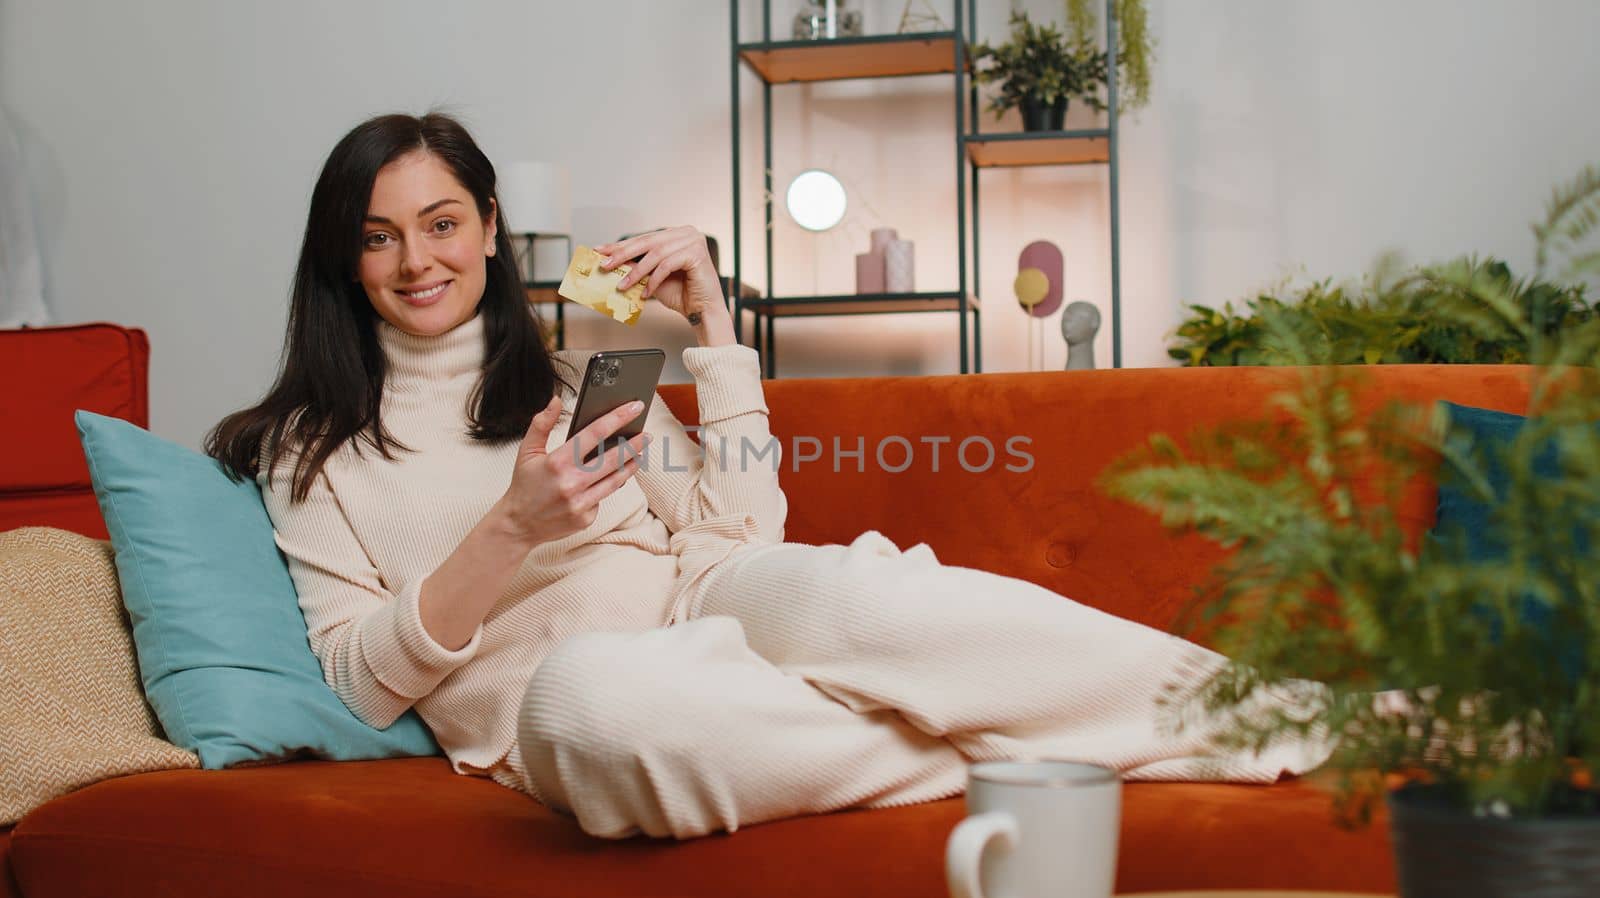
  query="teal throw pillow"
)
[
  {"x": 222, "y": 643},
  {"x": 1466, "y": 521}
]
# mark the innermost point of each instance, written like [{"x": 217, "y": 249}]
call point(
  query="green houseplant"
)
[
  {"x": 1487, "y": 738},
  {"x": 1135, "y": 46},
  {"x": 1039, "y": 72},
  {"x": 1040, "y": 69},
  {"x": 1388, "y": 319}
]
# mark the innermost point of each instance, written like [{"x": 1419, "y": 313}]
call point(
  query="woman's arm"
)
[
  {"x": 375, "y": 653},
  {"x": 734, "y": 469},
  {"x": 550, "y": 496},
  {"x": 381, "y": 651}
]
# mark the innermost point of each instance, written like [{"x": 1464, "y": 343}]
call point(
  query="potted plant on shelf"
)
[
  {"x": 1039, "y": 72},
  {"x": 1481, "y": 641},
  {"x": 1040, "y": 69}
]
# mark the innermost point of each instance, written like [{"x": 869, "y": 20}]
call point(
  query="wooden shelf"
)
[
  {"x": 857, "y": 304},
  {"x": 1039, "y": 148},
  {"x": 839, "y": 59},
  {"x": 543, "y": 292}
]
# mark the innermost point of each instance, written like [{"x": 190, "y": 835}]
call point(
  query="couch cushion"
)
[
  {"x": 411, "y": 827},
  {"x": 71, "y": 708},
  {"x": 1468, "y": 526},
  {"x": 222, "y": 643},
  {"x": 100, "y": 367}
]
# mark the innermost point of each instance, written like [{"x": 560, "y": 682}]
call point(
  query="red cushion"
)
[
  {"x": 411, "y": 827},
  {"x": 70, "y": 509},
  {"x": 49, "y": 373}
]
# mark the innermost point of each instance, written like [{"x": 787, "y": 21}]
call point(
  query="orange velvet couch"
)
[{"x": 411, "y": 827}]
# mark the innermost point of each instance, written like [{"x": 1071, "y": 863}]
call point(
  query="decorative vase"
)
[
  {"x": 1442, "y": 851},
  {"x": 899, "y": 267},
  {"x": 1037, "y": 116},
  {"x": 823, "y": 20},
  {"x": 870, "y": 272}
]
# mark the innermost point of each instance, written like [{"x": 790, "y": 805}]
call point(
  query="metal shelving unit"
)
[
  {"x": 543, "y": 293},
  {"x": 899, "y": 55}
]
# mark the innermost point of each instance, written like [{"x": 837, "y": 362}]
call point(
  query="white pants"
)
[{"x": 808, "y": 679}]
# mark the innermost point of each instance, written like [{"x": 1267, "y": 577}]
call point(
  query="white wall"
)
[{"x": 171, "y": 147}]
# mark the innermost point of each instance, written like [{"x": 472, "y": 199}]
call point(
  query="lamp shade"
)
[{"x": 536, "y": 197}]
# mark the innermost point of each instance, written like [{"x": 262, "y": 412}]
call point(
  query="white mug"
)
[{"x": 1036, "y": 829}]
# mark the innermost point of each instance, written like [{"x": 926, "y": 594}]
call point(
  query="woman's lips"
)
[{"x": 426, "y": 296}]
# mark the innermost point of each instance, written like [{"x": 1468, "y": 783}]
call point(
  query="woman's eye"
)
[
  {"x": 443, "y": 226},
  {"x": 377, "y": 239}
]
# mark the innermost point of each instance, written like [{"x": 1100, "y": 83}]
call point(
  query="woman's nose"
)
[{"x": 414, "y": 259}]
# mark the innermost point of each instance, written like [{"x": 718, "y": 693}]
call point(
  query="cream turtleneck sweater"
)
[{"x": 371, "y": 530}]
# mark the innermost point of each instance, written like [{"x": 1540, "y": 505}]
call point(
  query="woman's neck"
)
[{"x": 456, "y": 352}]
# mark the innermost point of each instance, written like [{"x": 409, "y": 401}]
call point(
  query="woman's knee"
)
[
  {"x": 612, "y": 692},
  {"x": 603, "y": 711},
  {"x": 569, "y": 697}
]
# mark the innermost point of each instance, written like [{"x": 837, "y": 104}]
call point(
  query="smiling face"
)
[{"x": 424, "y": 247}]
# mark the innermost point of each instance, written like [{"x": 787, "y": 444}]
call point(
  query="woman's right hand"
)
[{"x": 556, "y": 494}]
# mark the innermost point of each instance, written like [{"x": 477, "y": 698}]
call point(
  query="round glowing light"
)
[{"x": 816, "y": 200}]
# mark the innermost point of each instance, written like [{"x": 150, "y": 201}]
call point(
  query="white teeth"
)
[{"x": 425, "y": 294}]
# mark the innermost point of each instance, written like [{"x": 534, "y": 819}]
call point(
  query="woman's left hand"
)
[{"x": 675, "y": 266}]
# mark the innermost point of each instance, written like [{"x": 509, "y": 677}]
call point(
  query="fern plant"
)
[
  {"x": 1434, "y": 315},
  {"x": 1487, "y": 671}
]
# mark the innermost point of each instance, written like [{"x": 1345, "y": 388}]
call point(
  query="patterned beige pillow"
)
[{"x": 72, "y": 709}]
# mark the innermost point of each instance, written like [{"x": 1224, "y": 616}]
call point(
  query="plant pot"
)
[
  {"x": 1442, "y": 851},
  {"x": 1036, "y": 116}
]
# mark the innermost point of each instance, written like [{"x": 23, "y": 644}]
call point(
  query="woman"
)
[{"x": 632, "y": 642}]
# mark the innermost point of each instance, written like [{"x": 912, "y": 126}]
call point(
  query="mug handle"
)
[{"x": 963, "y": 855}]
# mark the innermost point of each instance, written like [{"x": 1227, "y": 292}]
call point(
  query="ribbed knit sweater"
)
[{"x": 372, "y": 530}]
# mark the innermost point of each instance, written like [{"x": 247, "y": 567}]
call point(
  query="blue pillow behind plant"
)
[
  {"x": 222, "y": 644},
  {"x": 1465, "y": 520}
]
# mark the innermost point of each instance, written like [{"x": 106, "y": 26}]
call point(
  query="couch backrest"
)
[
  {"x": 1049, "y": 525},
  {"x": 47, "y": 373}
]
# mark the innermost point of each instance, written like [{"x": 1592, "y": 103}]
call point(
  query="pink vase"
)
[
  {"x": 899, "y": 267},
  {"x": 882, "y": 237},
  {"x": 869, "y": 272}
]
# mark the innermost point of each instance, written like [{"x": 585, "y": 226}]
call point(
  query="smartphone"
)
[{"x": 614, "y": 378}]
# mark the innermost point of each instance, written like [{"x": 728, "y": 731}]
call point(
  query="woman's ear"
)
[{"x": 491, "y": 228}]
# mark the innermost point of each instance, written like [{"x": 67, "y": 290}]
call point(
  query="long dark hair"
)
[{"x": 329, "y": 388}]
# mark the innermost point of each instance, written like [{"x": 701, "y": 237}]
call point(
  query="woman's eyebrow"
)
[{"x": 379, "y": 219}]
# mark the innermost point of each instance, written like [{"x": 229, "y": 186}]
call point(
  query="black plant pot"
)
[
  {"x": 1442, "y": 851},
  {"x": 1037, "y": 116}
]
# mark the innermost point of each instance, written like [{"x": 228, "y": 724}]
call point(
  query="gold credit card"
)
[{"x": 585, "y": 284}]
